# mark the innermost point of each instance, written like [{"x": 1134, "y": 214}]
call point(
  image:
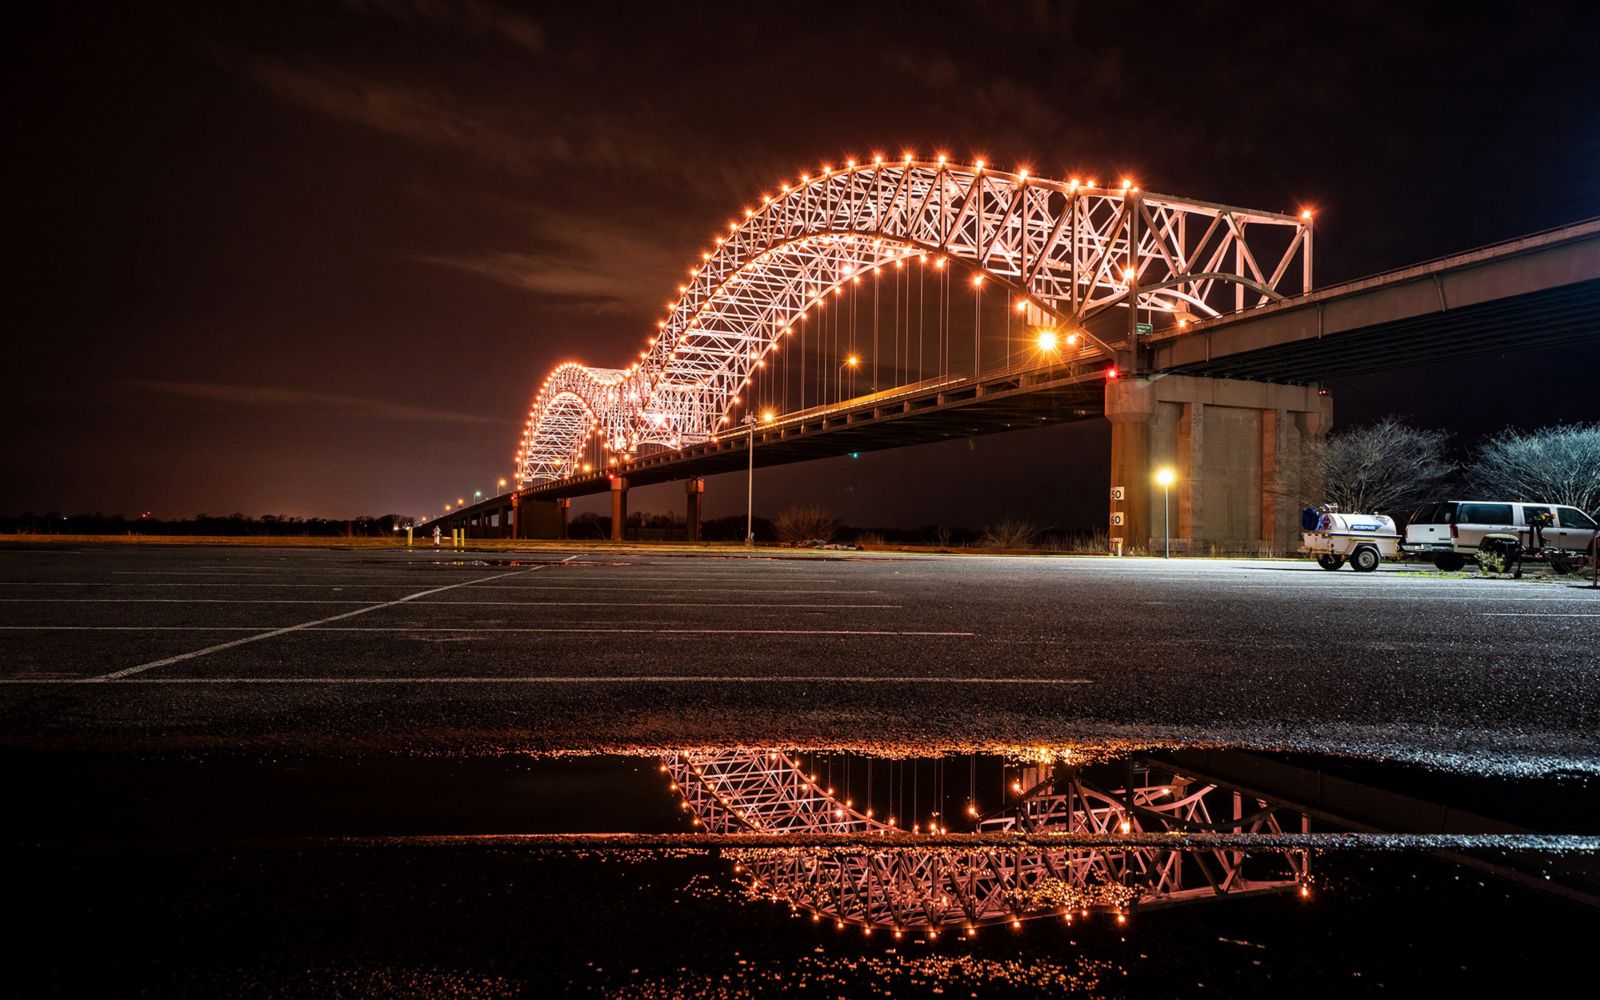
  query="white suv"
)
[{"x": 1450, "y": 530}]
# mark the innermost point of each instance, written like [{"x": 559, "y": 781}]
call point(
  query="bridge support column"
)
[
  {"x": 563, "y": 507},
  {"x": 619, "y": 508},
  {"x": 696, "y": 489},
  {"x": 1238, "y": 451},
  {"x": 514, "y": 512}
]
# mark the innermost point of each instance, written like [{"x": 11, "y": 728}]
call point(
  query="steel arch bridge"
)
[
  {"x": 1068, "y": 251},
  {"x": 928, "y": 889}
]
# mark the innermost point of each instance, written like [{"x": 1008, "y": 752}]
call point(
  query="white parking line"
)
[
  {"x": 451, "y": 604},
  {"x": 605, "y": 679},
  {"x": 1539, "y": 614},
  {"x": 140, "y": 668}
]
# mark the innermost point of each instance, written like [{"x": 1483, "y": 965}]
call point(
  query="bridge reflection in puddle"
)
[
  {"x": 1049, "y": 841},
  {"x": 731, "y": 871}
]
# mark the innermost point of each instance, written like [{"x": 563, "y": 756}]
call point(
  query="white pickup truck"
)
[{"x": 1450, "y": 531}]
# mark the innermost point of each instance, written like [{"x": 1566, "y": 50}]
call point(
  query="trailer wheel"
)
[
  {"x": 1365, "y": 559},
  {"x": 1449, "y": 562},
  {"x": 1330, "y": 561}
]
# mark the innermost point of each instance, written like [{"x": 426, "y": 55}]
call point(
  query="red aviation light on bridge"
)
[{"x": 1112, "y": 373}]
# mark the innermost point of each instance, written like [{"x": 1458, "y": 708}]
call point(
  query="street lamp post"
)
[
  {"x": 1165, "y": 477},
  {"x": 750, "y": 487}
]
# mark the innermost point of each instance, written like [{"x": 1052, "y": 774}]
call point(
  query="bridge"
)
[
  {"x": 880, "y": 304},
  {"x": 893, "y": 883}
]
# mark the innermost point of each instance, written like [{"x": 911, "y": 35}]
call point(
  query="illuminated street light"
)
[
  {"x": 1048, "y": 341},
  {"x": 1166, "y": 477},
  {"x": 750, "y": 487}
]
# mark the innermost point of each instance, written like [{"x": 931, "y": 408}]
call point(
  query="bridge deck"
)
[
  {"x": 933, "y": 411},
  {"x": 1538, "y": 291}
]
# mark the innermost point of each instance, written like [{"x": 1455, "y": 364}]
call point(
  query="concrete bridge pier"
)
[
  {"x": 1238, "y": 451},
  {"x": 619, "y": 508},
  {"x": 696, "y": 489}
]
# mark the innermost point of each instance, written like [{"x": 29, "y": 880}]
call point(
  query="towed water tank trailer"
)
[{"x": 1362, "y": 540}]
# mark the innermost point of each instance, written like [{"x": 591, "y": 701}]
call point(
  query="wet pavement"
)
[
  {"x": 292, "y": 772},
  {"x": 332, "y": 651}
]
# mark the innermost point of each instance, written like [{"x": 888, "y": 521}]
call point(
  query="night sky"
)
[{"x": 314, "y": 258}]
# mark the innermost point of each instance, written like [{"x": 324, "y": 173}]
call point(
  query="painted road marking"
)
[
  {"x": 140, "y": 668},
  {"x": 606, "y": 679},
  {"x": 1538, "y": 614},
  {"x": 447, "y": 604},
  {"x": 595, "y": 627}
]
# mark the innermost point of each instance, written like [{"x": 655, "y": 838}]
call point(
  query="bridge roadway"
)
[{"x": 1538, "y": 291}]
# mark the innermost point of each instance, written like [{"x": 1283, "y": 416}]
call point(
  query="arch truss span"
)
[
  {"x": 1069, "y": 250},
  {"x": 925, "y": 889}
]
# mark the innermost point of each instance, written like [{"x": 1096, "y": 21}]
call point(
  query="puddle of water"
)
[{"x": 728, "y": 871}]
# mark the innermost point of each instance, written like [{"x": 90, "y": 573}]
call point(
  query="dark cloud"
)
[{"x": 276, "y": 397}]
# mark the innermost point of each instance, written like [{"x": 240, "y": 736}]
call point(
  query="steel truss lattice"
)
[
  {"x": 906, "y": 889},
  {"x": 1072, "y": 251}
]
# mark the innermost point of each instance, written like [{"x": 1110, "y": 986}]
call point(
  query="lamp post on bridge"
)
[{"x": 750, "y": 486}]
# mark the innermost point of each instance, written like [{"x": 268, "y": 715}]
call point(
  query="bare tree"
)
[
  {"x": 1559, "y": 464},
  {"x": 805, "y": 523},
  {"x": 1389, "y": 466}
]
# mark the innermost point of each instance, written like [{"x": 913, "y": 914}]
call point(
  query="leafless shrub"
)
[
  {"x": 1009, "y": 533},
  {"x": 1096, "y": 541},
  {"x": 941, "y": 537},
  {"x": 805, "y": 523},
  {"x": 1559, "y": 464},
  {"x": 869, "y": 539}
]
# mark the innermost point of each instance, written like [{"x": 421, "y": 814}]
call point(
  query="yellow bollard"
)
[{"x": 408, "y": 536}]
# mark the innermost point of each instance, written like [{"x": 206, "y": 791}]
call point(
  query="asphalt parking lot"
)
[{"x": 340, "y": 650}]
